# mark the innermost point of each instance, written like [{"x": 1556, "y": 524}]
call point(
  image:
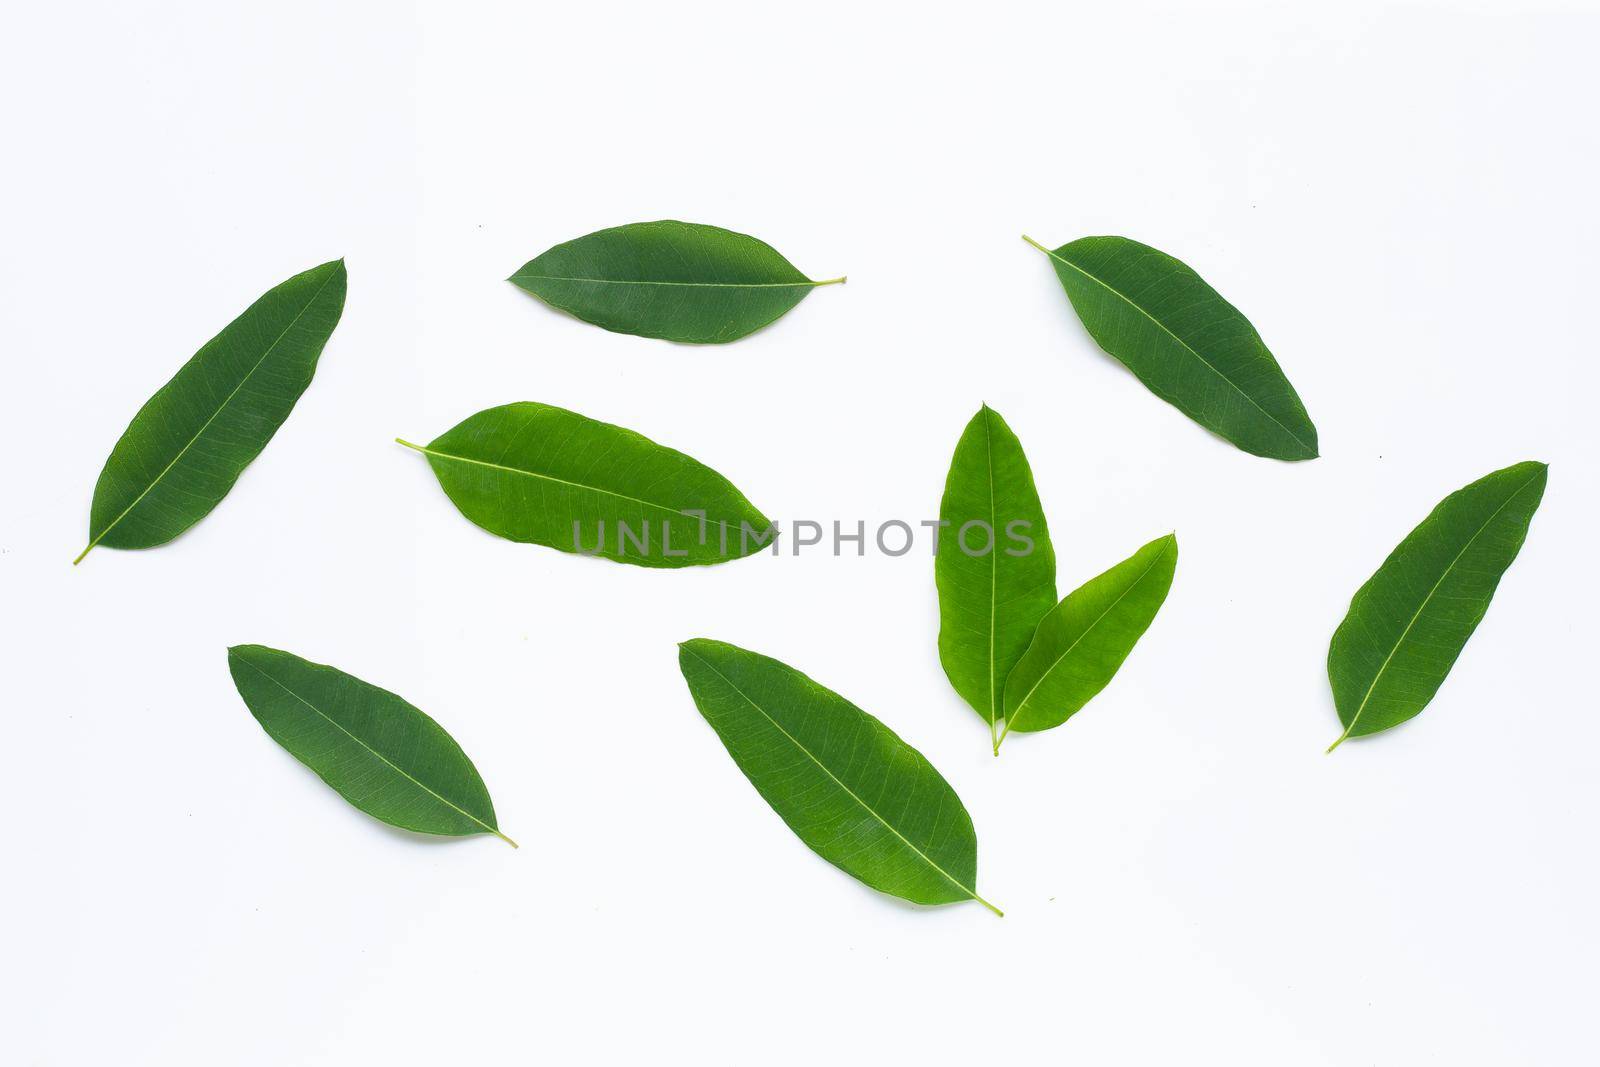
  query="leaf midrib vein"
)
[
  {"x": 642, "y": 281},
  {"x": 428, "y": 451},
  {"x": 969, "y": 890},
  {"x": 994, "y": 571}
]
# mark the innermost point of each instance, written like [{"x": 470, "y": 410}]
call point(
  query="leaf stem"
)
[
  {"x": 408, "y": 444},
  {"x": 1342, "y": 738},
  {"x": 1036, "y": 244},
  {"x": 85, "y": 552},
  {"x": 504, "y": 838},
  {"x": 834, "y": 281},
  {"x": 1004, "y": 730},
  {"x": 988, "y": 905}
]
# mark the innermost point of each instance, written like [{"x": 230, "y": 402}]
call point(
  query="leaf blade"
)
[
  {"x": 528, "y": 472},
  {"x": 990, "y": 604},
  {"x": 188, "y": 444},
  {"x": 675, "y": 281},
  {"x": 848, "y": 787},
  {"x": 384, "y": 756},
  {"x": 1410, "y": 621},
  {"x": 1188, "y": 345},
  {"x": 1083, "y": 642}
]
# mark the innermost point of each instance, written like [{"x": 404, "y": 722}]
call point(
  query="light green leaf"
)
[
  {"x": 1410, "y": 621},
  {"x": 856, "y": 794},
  {"x": 1192, "y": 348},
  {"x": 995, "y": 567},
  {"x": 380, "y": 753},
  {"x": 1082, "y": 643},
  {"x": 190, "y": 442},
  {"x": 543, "y": 475},
  {"x": 680, "y": 281}
]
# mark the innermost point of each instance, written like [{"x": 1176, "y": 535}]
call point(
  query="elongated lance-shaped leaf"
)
[
  {"x": 190, "y": 442},
  {"x": 995, "y": 567},
  {"x": 1082, "y": 643},
  {"x": 380, "y": 753},
  {"x": 856, "y": 794},
  {"x": 680, "y": 281},
  {"x": 547, "y": 476},
  {"x": 1410, "y": 621},
  {"x": 1192, "y": 348}
]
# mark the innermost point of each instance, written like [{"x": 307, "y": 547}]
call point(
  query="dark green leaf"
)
[
  {"x": 1191, "y": 347},
  {"x": 995, "y": 567},
  {"x": 540, "y": 474},
  {"x": 189, "y": 443},
  {"x": 1410, "y": 621},
  {"x": 1081, "y": 644},
  {"x": 680, "y": 281},
  {"x": 380, "y": 753},
  {"x": 856, "y": 794}
]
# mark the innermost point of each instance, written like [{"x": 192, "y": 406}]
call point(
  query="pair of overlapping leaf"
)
[{"x": 1022, "y": 660}]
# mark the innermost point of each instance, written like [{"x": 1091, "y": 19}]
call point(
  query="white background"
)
[{"x": 1403, "y": 202}]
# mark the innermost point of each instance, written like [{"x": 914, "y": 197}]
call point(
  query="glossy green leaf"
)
[
  {"x": 190, "y": 442},
  {"x": 543, "y": 475},
  {"x": 680, "y": 281},
  {"x": 995, "y": 567},
  {"x": 856, "y": 794},
  {"x": 1192, "y": 348},
  {"x": 1410, "y": 621},
  {"x": 380, "y": 753},
  {"x": 1083, "y": 641}
]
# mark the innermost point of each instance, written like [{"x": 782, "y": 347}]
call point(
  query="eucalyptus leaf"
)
[
  {"x": 543, "y": 475},
  {"x": 1411, "y": 619},
  {"x": 190, "y": 442},
  {"x": 994, "y": 566},
  {"x": 1084, "y": 640},
  {"x": 1192, "y": 348},
  {"x": 377, "y": 751},
  {"x": 680, "y": 281},
  {"x": 856, "y": 794}
]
